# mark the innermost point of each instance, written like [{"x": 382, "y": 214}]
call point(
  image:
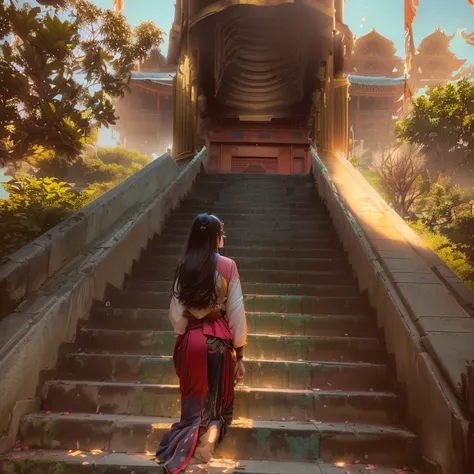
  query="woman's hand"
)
[
  {"x": 223, "y": 304},
  {"x": 240, "y": 370}
]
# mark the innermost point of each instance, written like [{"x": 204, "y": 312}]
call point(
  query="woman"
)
[{"x": 207, "y": 312}]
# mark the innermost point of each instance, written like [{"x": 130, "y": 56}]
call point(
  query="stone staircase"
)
[{"x": 318, "y": 391}]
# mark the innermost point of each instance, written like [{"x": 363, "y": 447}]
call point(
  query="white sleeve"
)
[
  {"x": 177, "y": 319},
  {"x": 235, "y": 313}
]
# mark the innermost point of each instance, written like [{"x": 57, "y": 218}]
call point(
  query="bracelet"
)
[{"x": 240, "y": 357}]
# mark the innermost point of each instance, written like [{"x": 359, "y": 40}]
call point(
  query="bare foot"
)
[{"x": 207, "y": 442}]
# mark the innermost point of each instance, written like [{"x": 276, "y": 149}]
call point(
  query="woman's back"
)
[{"x": 229, "y": 300}]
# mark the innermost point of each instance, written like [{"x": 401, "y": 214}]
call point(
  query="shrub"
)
[
  {"x": 33, "y": 207},
  {"x": 438, "y": 208},
  {"x": 95, "y": 165},
  {"x": 451, "y": 253},
  {"x": 122, "y": 156}
]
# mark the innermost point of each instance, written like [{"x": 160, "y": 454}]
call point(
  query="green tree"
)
[
  {"x": 442, "y": 122},
  {"x": 33, "y": 206},
  {"x": 60, "y": 69},
  {"x": 439, "y": 208}
]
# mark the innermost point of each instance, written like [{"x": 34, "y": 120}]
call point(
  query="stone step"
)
[
  {"x": 339, "y": 304},
  {"x": 257, "y": 276},
  {"x": 326, "y": 239},
  {"x": 222, "y": 211},
  {"x": 256, "y": 288},
  {"x": 289, "y": 185},
  {"x": 260, "y": 373},
  {"x": 97, "y": 462},
  {"x": 258, "y": 222},
  {"x": 258, "y": 323},
  {"x": 259, "y": 232},
  {"x": 247, "y": 439},
  {"x": 185, "y": 213},
  {"x": 234, "y": 251},
  {"x": 230, "y": 178},
  {"x": 140, "y": 272},
  {"x": 245, "y": 193},
  {"x": 242, "y": 197},
  {"x": 255, "y": 403},
  {"x": 260, "y": 263},
  {"x": 303, "y": 348},
  {"x": 250, "y": 205}
]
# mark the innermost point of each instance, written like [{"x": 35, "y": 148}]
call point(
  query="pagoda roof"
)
[
  {"x": 438, "y": 36},
  {"x": 164, "y": 78},
  {"x": 157, "y": 82},
  {"x": 373, "y": 36}
]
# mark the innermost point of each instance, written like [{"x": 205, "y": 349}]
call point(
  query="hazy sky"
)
[{"x": 361, "y": 16}]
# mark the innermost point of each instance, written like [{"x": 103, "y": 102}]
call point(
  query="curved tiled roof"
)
[
  {"x": 376, "y": 81},
  {"x": 163, "y": 78}
]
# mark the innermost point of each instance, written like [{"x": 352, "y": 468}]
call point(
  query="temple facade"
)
[
  {"x": 377, "y": 80},
  {"x": 146, "y": 112},
  {"x": 256, "y": 88}
]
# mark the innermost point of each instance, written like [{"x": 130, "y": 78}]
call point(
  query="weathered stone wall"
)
[
  {"x": 60, "y": 274},
  {"x": 421, "y": 306}
]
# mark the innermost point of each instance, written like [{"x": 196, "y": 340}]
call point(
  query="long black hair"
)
[{"x": 194, "y": 282}]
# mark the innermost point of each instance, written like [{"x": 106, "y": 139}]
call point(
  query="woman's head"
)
[
  {"x": 207, "y": 231},
  {"x": 194, "y": 282}
]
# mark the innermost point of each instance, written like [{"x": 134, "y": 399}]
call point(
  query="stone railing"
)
[
  {"x": 57, "y": 277},
  {"x": 423, "y": 309}
]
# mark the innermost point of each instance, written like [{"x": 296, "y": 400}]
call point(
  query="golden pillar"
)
[
  {"x": 185, "y": 112},
  {"x": 341, "y": 116},
  {"x": 326, "y": 107}
]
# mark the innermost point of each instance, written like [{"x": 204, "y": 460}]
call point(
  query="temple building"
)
[
  {"x": 256, "y": 88},
  {"x": 376, "y": 86},
  {"x": 434, "y": 63},
  {"x": 146, "y": 113}
]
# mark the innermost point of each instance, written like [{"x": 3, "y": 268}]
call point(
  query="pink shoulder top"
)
[{"x": 232, "y": 301}]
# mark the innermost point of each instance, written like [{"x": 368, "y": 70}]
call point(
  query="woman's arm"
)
[
  {"x": 177, "y": 319},
  {"x": 235, "y": 312}
]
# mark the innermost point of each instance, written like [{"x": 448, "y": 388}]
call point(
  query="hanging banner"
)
[
  {"x": 410, "y": 12},
  {"x": 411, "y": 7},
  {"x": 118, "y": 5}
]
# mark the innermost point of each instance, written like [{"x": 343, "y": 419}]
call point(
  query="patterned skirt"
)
[{"x": 204, "y": 361}]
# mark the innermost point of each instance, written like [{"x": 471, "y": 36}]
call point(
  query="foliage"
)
[
  {"x": 401, "y": 172},
  {"x": 442, "y": 121},
  {"x": 95, "y": 190},
  {"x": 356, "y": 161},
  {"x": 95, "y": 165},
  {"x": 32, "y": 207},
  {"x": 35, "y": 204},
  {"x": 59, "y": 76},
  {"x": 462, "y": 229},
  {"x": 439, "y": 207},
  {"x": 449, "y": 252},
  {"x": 123, "y": 157}
]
